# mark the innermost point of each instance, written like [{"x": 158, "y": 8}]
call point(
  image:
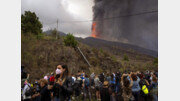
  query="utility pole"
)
[
  {"x": 57, "y": 29},
  {"x": 84, "y": 56}
]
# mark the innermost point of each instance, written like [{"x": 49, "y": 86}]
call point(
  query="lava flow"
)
[{"x": 93, "y": 34}]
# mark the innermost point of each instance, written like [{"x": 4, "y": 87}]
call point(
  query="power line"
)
[
  {"x": 107, "y": 18},
  {"x": 141, "y": 13}
]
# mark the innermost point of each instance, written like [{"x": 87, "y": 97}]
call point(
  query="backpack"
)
[
  {"x": 29, "y": 92},
  {"x": 86, "y": 82},
  {"x": 145, "y": 89},
  {"x": 143, "y": 86}
]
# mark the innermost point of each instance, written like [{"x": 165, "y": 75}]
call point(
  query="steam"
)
[{"x": 140, "y": 29}]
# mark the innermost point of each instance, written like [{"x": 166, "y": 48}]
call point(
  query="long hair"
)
[
  {"x": 126, "y": 85},
  {"x": 66, "y": 72},
  {"x": 134, "y": 77}
]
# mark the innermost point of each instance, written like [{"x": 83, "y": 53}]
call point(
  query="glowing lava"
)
[{"x": 93, "y": 34}]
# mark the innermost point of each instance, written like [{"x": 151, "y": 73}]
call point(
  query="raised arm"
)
[{"x": 131, "y": 80}]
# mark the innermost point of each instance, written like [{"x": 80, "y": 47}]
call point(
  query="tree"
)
[
  {"x": 126, "y": 58},
  {"x": 69, "y": 40},
  {"x": 30, "y": 23}
]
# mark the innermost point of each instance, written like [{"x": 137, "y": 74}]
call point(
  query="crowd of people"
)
[{"x": 63, "y": 86}]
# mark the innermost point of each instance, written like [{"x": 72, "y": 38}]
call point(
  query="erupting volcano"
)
[
  {"x": 127, "y": 21},
  {"x": 93, "y": 34}
]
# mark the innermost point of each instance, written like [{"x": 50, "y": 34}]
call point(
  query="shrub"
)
[
  {"x": 155, "y": 61},
  {"x": 40, "y": 36},
  {"x": 70, "y": 40},
  {"x": 126, "y": 58},
  {"x": 114, "y": 59}
]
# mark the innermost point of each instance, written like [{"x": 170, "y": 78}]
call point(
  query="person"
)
[
  {"x": 26, "y": 94},
  {"x": 113, "y": 87},
  {"x": 147, "y": 76},
  {"x": 97, "y": 86},
  {"x": 108, "y": 78},
  {"x": 135, "y": 88},
  {"x": 45, "y": 90},
  {"x": 92, "y": 76},
  {"x": 105, "y": 92},
  {"x": 126, "y": 87},
  {"x": 36, "y": 90},
  {"x": 24, "y": 76},
  {"x": 73, "y": 78},
  {"x": 65, "y": 82},
  {"x": 78, "y": 73},
  {"x": 118, "y": 90},
  {"x": 77, "y": 86},
  {"x": 154, "y": 91},
  {"x": 86, "y": 89},
  {"x": 101, "y": 77},
  {"x": 144, "y": 85}
]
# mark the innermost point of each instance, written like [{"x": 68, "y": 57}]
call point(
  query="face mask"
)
[
  {"x": 46, "y": 77},
  {"x": 58, "y": 71}
]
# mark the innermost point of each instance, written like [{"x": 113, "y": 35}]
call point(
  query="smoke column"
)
[{"x": 129, "y": 21}]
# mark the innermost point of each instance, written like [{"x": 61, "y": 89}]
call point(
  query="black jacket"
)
[
  {"x": 56, "y": 90},
  {"x": 105, "y": 95},
  {"x": 66, "y": 89},
  {"x": 45, "y": 94}
]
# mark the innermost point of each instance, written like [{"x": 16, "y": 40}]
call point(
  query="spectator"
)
[
  {"x": 154, "y": 90},
  {"x": 135, "y": 88},
  {"x": 27, "y": 91},
  {"x": 45, "y": 90},
  {"x": 97, "y": 86},
  {"x": 113, "y": 87},
  {"x": 144, "y": 85},
  {"x": 126, "y": 87},
  {"x": 86, "y": 88},
  {"x": 105, "y": 92},
  {"x": 65, "y": 83}
]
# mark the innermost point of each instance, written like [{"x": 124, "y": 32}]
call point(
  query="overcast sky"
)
[{"x": 65, "y": 11}]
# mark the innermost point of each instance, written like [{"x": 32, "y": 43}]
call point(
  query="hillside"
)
[
  {"x": 117, "y": 47},
  {"x": 41, "y": 56},
  {"x": 112, "y": 46}
]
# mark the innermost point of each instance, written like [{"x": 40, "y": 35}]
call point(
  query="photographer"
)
[
  {"x": 26, "y": 97},
  {"x": 126, "y": 87}
]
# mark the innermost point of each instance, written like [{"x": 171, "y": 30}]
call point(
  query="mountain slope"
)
[{"x": 117, "y": 47}]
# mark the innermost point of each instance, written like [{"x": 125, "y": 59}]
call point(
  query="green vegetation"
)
[
  {"x": 55, "y": 33},
  {"x": 125, "y": 57},
  {"x": 114, "y": 58},
  {"x": 70, "y": 40},
  {"x": 30, "y": 23},
  {"x": 155, "y": 61}
]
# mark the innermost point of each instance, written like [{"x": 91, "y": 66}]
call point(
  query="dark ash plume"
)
[{"x": 129, "y": 21}]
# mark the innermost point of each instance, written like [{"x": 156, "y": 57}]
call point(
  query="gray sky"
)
[{"x": 65, "y": 11}]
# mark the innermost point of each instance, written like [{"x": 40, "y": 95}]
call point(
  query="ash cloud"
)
[{"x": 141, "y": 30}]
